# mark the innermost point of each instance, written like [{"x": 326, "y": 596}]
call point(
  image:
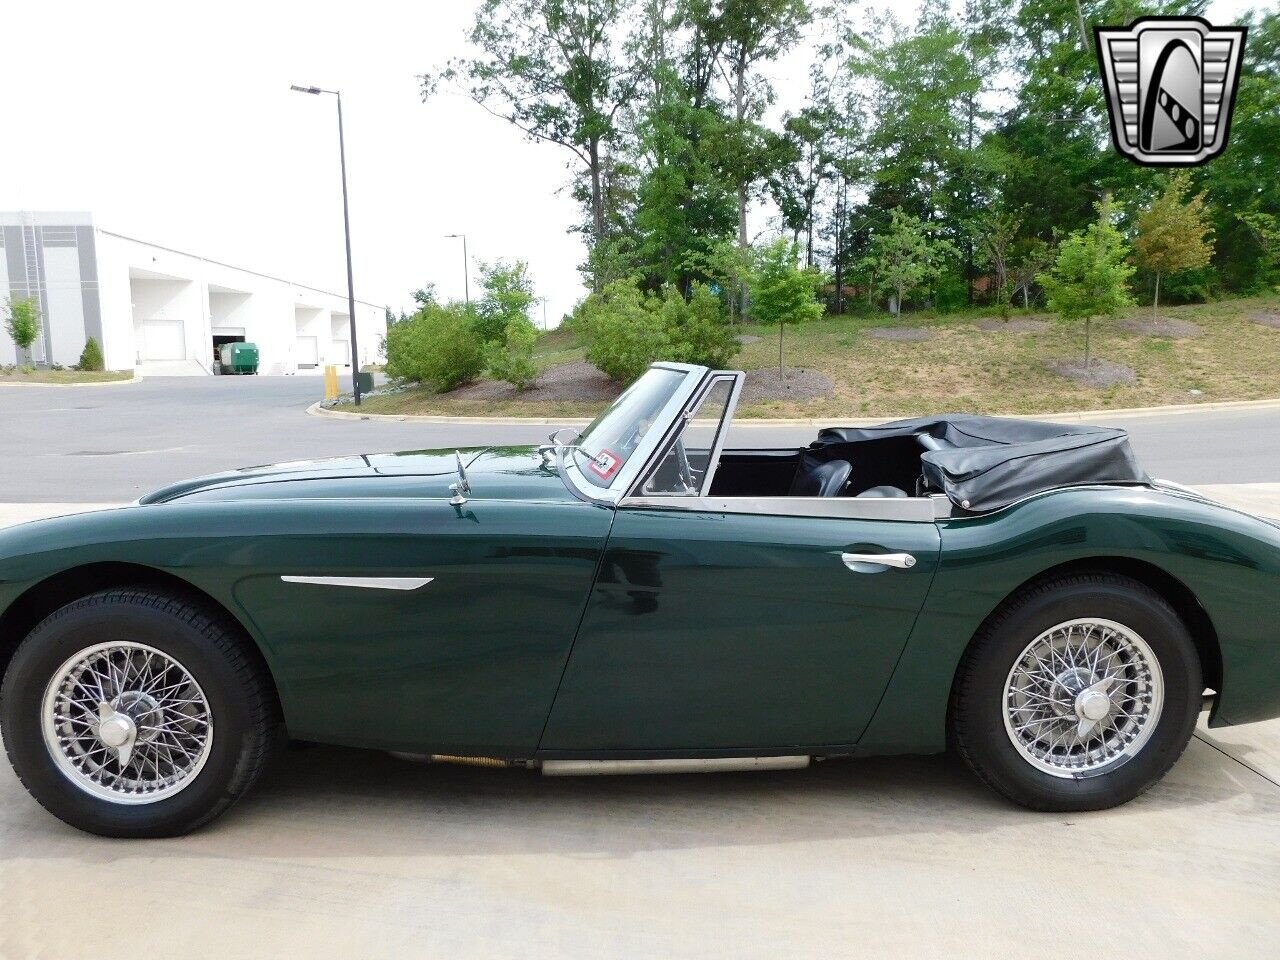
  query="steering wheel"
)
[{"x": 684, "y": 468}]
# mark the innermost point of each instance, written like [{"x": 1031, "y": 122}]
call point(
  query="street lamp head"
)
[
  {"x": 453, "y": 236},
  {"x": 312, "y": 90}
]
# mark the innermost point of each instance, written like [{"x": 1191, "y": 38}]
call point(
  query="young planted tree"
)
[
  {"x": 904, "y": 256},
  {"x": 554, "y": 69},
  {"x": 782, "y": 292},
  {"x": 1091, "y": 275},
  {"x": 1174, "y": 233},
  {"x": 22, "y": 321}
]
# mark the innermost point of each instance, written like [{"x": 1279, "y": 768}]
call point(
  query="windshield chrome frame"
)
[
  {"x": 637, "y": 464},
  {"x": 736, "y": 379}
]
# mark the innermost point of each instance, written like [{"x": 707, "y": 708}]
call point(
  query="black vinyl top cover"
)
[{"x": 985, "y": 463}]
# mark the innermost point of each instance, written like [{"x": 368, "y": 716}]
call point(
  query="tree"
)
[
  {"x": 750, "y": 32},
  {"x": 1174, "y": 233},
  {"x": 1265, "y": 230},
  {"x": 22, "y": 321},
  {"x": 552, "y": 68},
  {"x": 508, "y": 295},
  {"x": 997, "y": 234},
  {"x": 1091, "y": 275},
  {"x": 904, "y": 256},
  {"x": 1031, "y": 256},
  {"x": 91, "y": 356},
  {"x": 781, "y": 291}
]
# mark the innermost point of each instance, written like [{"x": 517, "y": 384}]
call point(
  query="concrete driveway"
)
[
  {"x": 356, "y": 854},
  {"x": 353, "y": 854}
]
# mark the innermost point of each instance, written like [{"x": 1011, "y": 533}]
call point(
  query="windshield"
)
[{"x": 609, "y": 442}]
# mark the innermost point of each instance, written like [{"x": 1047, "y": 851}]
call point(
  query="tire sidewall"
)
[
  {"x": 1141, "y": 611},
  {"x": 104, "y": 619}
]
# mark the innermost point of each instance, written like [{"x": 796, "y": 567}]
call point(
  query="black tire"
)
[
  {"x": 240, "y": 701},
  {"x": 977, "y": 707}
]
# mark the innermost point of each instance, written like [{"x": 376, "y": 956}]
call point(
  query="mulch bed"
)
[
  {"x": 1099, "y": 374},
  {"x": 1268, "y": 318},
  {"x": 1160, "y": 327},
  {"x": 797, "y": 384},
  {"x": 901, "y": 334},
  {"x": 1020, "y": 325},
  {"x": 570, "y": 381}
]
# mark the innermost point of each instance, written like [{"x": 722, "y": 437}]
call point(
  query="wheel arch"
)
[
  {"x": 1176, "y": 593},
  {"x": 56, "y": 591}
]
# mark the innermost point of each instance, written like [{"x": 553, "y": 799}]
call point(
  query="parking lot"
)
[{"x": 364, "y": 855}]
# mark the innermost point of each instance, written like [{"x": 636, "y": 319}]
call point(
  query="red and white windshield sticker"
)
[{"x": 605, "y": 464}]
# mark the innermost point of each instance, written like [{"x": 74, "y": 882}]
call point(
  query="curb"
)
[
  {"x": 1077, "y": 416},
  {"x": 136, "y": 378}
]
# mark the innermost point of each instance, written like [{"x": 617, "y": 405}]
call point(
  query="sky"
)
[{"x": 174, "y": 123}]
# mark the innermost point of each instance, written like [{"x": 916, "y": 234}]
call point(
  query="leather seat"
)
[
  {"x": 821, "y": 479},
  {"x": 885, "y": 491}
]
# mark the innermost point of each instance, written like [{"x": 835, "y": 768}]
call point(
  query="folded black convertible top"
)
[{"x": 985, "y": 463}]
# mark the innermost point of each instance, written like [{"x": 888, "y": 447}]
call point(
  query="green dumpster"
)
[{"x": 238, "y": 357}]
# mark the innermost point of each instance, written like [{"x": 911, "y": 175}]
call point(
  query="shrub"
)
[
  {"x": 697, "y": 329},
  {"x": 513, "y": 361},
  {"x": 624, "y": 335},
  {"x": 437, "y": 346},
  {"x": 91, "y": 356}
]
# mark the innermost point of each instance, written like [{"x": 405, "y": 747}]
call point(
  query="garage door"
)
[
  {"x": 163, "y": 340},
  {"x": 308, "y": 351},
  {"x": 342, "y": 352}
]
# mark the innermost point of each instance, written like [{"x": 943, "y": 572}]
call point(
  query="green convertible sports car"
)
[{"x": 640, "y": 598}]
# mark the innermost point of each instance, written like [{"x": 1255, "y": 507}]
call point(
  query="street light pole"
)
[
  {"x": 346, "y": 227},
  {"x": 466, "y": 264}
]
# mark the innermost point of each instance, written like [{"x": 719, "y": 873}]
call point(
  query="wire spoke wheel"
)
[
  {"x": 127, "y": 723},
  {"x": 1083, "y": 698}
]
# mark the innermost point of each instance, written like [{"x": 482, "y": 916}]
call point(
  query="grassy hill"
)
[{"x": 971, "y": 362}]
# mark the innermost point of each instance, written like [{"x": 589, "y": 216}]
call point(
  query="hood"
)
[{"x": 510, "y": 473}]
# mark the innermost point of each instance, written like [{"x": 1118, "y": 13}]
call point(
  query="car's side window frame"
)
[
  {"x": 925, "y": 509},
  {"x": 677, "y": 429}
]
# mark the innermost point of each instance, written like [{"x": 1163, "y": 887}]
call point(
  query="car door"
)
[
  {"x": 412, "y": 624},
  {"x": 740, "y": 624}
]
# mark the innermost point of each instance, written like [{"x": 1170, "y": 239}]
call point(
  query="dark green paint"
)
[
  {"x": 703, "y": 632},
  {"x": 710, "y": 631}
]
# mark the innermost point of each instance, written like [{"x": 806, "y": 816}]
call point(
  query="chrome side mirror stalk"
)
[{"x": 462, "y": 487}]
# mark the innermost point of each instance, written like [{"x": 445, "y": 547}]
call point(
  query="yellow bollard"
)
[{"x": 330, "y": 382}]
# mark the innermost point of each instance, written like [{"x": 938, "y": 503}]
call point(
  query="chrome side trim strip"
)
[
  {"x": 364, "y": 583},
  {"x": 911, "y": 509},
  {"x": 587, "y": 768}
]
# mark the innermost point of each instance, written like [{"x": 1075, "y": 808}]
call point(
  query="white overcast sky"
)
[{"x": 174, "y": 123}]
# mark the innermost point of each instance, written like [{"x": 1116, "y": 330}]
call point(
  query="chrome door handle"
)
[{"x": 876, "y": 562}]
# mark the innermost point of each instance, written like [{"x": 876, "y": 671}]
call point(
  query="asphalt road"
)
[{"x": 114, "y": 443}]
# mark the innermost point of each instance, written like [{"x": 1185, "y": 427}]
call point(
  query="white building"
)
[{"x": 164, "y": 311}]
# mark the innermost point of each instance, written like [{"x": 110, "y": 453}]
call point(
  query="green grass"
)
[
  {"x": 963, "y": 367},
  {"x": 28, "y": 375}
]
